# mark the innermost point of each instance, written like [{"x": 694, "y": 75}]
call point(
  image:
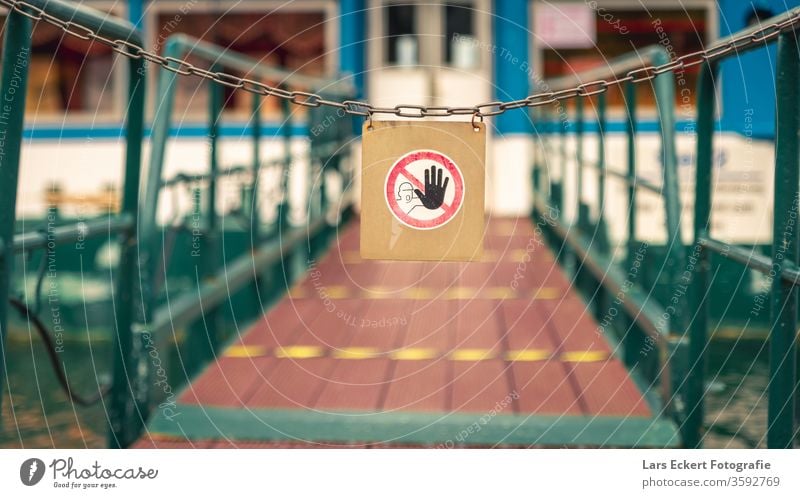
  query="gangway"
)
[{"x": 543, "y": 343}]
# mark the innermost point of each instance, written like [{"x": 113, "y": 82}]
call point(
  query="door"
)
[{"x": 429, "y": 53}]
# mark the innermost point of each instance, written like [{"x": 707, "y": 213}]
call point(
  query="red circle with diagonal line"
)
[{"x": 407, "y": 179}]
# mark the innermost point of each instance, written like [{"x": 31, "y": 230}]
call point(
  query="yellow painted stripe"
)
[
  {"x": 520, "y": 255},
  {"x": 498, "y": 293},
  {"x": 335, "y": 292},
  {"x": 547, "y": 293},
  {"x": 356, "y": 353},
  {"x": 299, "y": 352},
  {"x": 297, "y": 292},
  {"x": 471, "y": 354},
  {"x": 414, "y": 354},
  {"x": 584, "y": 356},
  {"x": 419, "y": 293},
  {"x": 460, "y": 293},
  {"x": 361, "y": 353},
  {"x": 451, "y": 293},
  {"x": 379, "y": 292},
  {"x": 242, "y": 351},
  {"x": 528, "y": 355}
]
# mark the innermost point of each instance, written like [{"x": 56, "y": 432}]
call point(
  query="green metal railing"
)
[
  {"x": 16, "y": 57},
  {"x": 147, "y": 317},
  {"x": 781, "y": 268},
  {"x": 582, "y": 242},
  {"x": 678, "y": 326},
  {"x": 278, "y": 252}
]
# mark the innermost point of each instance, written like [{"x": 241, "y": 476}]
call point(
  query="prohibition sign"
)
[{"x": 424, "y": 189}]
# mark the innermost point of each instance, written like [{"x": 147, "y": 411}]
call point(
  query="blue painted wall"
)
[
  {"x": 136, "y": 12},
  {"x": 352, "y": 46},
  {"x": 512, "y": 38},
  {"x": 351, "y": 41},
  {"x": 747, "y": 81}
]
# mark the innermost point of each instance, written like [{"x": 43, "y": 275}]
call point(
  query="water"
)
[{"x": 37, "y": 415}]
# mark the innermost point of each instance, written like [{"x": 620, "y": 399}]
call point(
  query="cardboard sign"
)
[{"x": 422, "y": 190}]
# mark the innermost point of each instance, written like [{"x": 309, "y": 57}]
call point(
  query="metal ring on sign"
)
[
  {"x": 369, "y": 120},
  {"x": 475, "y": 128}
]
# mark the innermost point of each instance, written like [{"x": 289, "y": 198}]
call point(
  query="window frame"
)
[
  {"x": 329, "y": 9},
  {"x": 537, "y": 48}
]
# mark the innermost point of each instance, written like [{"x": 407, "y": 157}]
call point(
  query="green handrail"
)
[
  {"x": 781, "y": 268},
  {"x": 137, "y": 323},
  {"x": 583, "y": 243},
  {"x": 687, "y": 331},
  {"x": 123, "y": 411},
  {"x": 280, "y": 245}
]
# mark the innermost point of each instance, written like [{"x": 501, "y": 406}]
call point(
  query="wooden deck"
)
[{"x": 365, "y": 353}]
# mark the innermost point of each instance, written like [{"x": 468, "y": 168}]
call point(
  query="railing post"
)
[
  {"x": 602, "y": 234},
  {"x": 16, "y": 58},
  {"x": 204, "y": 335},
  {"x": 561, "y": 110},
  {"x": 254, "y": 214},
  {"x": 286, "y": 131},
  {"x": 698, "y": 331},
  {"x": 633, "y": 343},
  {"x": 630, "y": 130},
  {"x": 582, "y": 209},
  {"x": 785, "y": 249},
  {"x": 129, "y": 395}
]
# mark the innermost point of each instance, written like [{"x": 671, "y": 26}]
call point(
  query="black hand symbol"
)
[{"x": 434, "y": 188}]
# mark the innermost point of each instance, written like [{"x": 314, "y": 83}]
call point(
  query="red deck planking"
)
[{"x": 375, "y": 336}]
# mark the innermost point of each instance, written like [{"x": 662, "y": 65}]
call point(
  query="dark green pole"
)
[
  {"x": 698, "y": 331},
  {"x": 601, "y": 173},
  {"x": 581, "y": 211},
  {"x": 128, "y": 405},
  {"x": 630, "y": 130},
  {"x": 286, "y": 129},
  {"x": 254, "y": 215},
  {"x": 785, "y": 249},
  {"x": 16, "y": 58},
  {"x": 632, "y": 343}
]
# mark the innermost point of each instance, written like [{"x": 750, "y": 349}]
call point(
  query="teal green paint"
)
[
  {"x": 644, "y": 323},
  {"x": 127, "y": 405},
  {"x": 785, "y": 249},
  {"x": 695, "y": 386},
  {"x": 429, "y": 429},
  {"x": 253, "y": 200},
  {"x": 122, "y": 403},
  {"x": 16, "y": 58}
]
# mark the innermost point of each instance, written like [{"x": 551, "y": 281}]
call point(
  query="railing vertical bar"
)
[
  {"x": 785, "y": 249},
  {"x": 698, "y": 332},
  {"x": 286, "y": 129},
  {"x": 254, "y": 213},
  {"x": 16, "y": 48},
  {"x": 129, "y": 396},
  {"x": 579, "y": 213},
  {"x": 601, "y": 172},
  {"x": 633, "y": 342},
  {"x": 630, "y": 130}
]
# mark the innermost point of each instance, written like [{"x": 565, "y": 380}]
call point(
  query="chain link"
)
[{"x": 761, "y": 36}]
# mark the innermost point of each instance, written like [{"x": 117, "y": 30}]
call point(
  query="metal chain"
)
[{"x": 359, "y": 108}]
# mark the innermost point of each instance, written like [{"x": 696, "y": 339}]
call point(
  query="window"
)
[
  {"x": 70, "y": 75},
  {"x": 679, "y": 31},
  {"x": 292, "y": 40},
  {"x": 402, "y": 41},
  {"x": 461, "y": 49}
]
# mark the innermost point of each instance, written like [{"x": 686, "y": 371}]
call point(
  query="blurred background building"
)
[{"x": 458, "y": 52}]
